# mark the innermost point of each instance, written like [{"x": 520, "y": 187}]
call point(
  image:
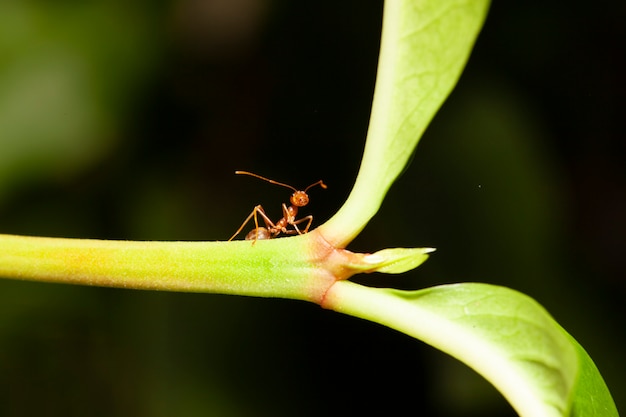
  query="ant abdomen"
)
[{"x": 260, "y": 233}]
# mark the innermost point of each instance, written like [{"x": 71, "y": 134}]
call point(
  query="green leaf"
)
[
  {"x": 504, "y": 335},
  {"x": 591, "y": 395},
  {"x": 391, "y": 261},
  {"x": 424, "y": 48}
]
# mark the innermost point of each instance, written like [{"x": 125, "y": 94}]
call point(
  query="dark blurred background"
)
[{"x": 126, "y": 120}]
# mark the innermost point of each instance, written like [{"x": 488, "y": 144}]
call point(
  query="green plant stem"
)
[
  {"x": 222, "y": 267},
  {"x": 300, "y": 267}
]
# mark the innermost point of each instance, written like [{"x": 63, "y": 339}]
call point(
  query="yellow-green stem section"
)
[{"x": 286, "y": 268}]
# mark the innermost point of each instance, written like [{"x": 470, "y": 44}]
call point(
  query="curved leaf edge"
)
[
  {"x": 591, "y": 395},
  {"x": 504, "y": 335}
]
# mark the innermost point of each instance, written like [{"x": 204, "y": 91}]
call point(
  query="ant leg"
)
[
  {"x": 269, "y": 231},
  {"x": 281, "y": 225},
  {"x": 253, "y": 214},
  {"x": 295, "y": 224},
  {"x": 245, "y": 222}
]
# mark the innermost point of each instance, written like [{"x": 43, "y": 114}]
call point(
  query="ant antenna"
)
[
  {"x": 320, "y": 182},
  {"x": 265, "y": 179}
]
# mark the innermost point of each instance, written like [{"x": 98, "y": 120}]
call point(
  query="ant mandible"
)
[{"x": 271, "y": 230}]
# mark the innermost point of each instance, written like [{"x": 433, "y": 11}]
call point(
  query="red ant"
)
[{"x": 272, "y": 230}]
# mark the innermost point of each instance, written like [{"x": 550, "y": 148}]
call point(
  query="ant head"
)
[{"x": 299, "y": 199}]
